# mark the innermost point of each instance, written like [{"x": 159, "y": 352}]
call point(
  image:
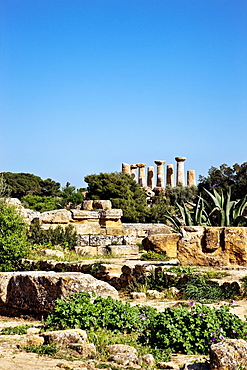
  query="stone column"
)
[
  {"x": 180, "y": 170},
  {"x": 141, "y": 177},
  {"x": 133, "y": 168},
  {"x": 191, "y": 178},
  {"x": 126, "y": 168},
  {"x": 170, "y": 175},
  {"x": 150, "y": 182},
  {"x": 160, "y": 173}
]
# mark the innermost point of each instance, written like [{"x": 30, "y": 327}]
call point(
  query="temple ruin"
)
[{"x": 149, "y": 180}]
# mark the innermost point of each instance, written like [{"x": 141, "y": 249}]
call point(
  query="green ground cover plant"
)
[
  {"x": 189, "y": 331},
  {"x": 12, "y": 330},
  {"x": 154, "y": 256}
]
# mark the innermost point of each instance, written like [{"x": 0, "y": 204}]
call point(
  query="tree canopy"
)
[
  {"x": 122, "y": 191},
  {"x": 225, "y": 176},
  {"x": 21, "y": 184}
]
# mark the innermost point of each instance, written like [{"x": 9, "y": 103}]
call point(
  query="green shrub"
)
[
  {"x": 192, "y": 332},
  {"x": 76, "y": 311},
  {"x": 65, "y": 237},
  {"x": 198, "y": 288},
  {"x": 154, "y": 256},
  {"x": 189, "y": 331},
  {"x": 13, "y": 237}
]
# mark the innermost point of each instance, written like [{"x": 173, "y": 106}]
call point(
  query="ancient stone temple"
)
[{"x": 162, "y": 179}]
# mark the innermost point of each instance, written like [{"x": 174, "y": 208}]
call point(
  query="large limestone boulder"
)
[
  {"x": 65, "y": 337},
  {"x": 36, "y": 292},
  {"x": 58, "y": 216},
  {"x": 162, "y": 243},
  {"x": 230, "y": 354}
]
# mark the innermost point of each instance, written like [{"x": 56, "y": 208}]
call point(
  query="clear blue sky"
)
[{"x": 89, "y": 84}]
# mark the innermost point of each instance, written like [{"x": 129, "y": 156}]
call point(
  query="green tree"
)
[
  {"x": 40, "y": 204},
  {"x": 70, "y": 196},
  {"x": 122, "y": 191},
  {"x": 168, "y": 204},
  {"x": 180, "y": 194},
  {"x": 223, "y": 177},
  {"x": 21, "y": 184},
  {"x": 13, "y": 237}
]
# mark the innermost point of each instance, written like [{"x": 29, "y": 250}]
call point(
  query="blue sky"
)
[{"x": 89, "y": 84}]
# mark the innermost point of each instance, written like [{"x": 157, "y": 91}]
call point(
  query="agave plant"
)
[{"x": 223, "y": 212}]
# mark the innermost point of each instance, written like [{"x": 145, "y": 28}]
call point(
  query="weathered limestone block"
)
[
  {"x": 85, "y": 216},
  {"x": 147, "y": 360},
  {"x": 87, "y": 205},
  {"x": 138, "y": 295},
  {"x": 85, "y": 229},
  {"x": 15, "y": 202},
  {"x": 29, "y": 215},
  {"x": 83, "y": 240},
  {"x": 126, "y": 168},
  {"x": 121, "y": 348},
  {"x": 213, "y": 238},
  {"x": 31, "y": 340},
  {"x": 113, "y": 230},
  {"x": 110, "y": 218},
  {"x": 102, "y": 204},
  {"x": 58, "y": 216},
  {"x": 168, "y": 365},
  {"x": 87, "y": 250},
  {"x": 228, "y": 354},
  {"x": 162, "y": 243},
  {"x": 36, "y": 292},
  {"x": 192, "y": 247},
  {"x": 124, "y": 250},
  {"x": 110, "y": 268},
  {"x": 65, "y": 337},
  {"x": 52, "y": 252},
  {"x": 86, "y": 350},
  {"x": 236, "y": 245},
  {"x": 143, "y": 230},
  {"x": 105, "y": 240}
]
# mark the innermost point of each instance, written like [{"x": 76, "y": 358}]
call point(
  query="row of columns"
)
[{"x": 131, "y": 169}]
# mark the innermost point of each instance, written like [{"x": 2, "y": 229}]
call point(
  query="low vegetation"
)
[{"x": 189, "y": 331}]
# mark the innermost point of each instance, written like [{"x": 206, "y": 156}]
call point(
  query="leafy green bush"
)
[
  {"x": 13, "y": 237},
  {"x": 175, "y": 330},
  {"x": 193, "y": 332},
  {"x": 76, "y": 311},
  {"x": 65, "y": 237}
]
